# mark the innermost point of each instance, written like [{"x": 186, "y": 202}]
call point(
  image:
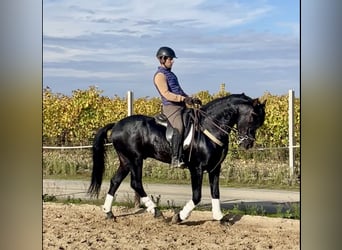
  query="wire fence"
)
[
  {"x": 257, "y": 166},
  {"x": 109, "y": 144},
  {"x": 71, "y": 147}
]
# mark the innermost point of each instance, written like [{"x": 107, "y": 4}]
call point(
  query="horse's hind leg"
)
[
  {"x": 115, "y": 182},
  {"x": 136, "y": 184}
]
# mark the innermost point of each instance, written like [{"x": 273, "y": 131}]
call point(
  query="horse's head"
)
[{"x": 251, "y": 117}]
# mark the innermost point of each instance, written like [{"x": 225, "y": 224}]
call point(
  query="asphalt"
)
[{"x": 177, "y": 195}]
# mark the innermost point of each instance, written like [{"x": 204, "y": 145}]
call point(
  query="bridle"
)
[
  {"x": 222, "y": 127},
  {"x": 242, "y": 138}
]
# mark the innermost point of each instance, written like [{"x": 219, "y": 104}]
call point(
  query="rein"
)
[
  {"x": 198, "y": 127},
  {"x": 216, "y": 122}
]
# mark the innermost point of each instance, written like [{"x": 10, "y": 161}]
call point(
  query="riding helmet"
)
[{"x": 166, "y": 51}]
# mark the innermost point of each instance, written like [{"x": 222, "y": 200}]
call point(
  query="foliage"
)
[
  {"x": 283, "y": 210},
  {"x": 49, "y": 198},
  {"x": 275, "y": 131},
  {"x": 287, "y": 210},
  {"x": 73, "y": 120},
  {"x": 263, "y": 173}
]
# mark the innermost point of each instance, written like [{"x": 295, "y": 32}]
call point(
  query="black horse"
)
[{"x": 138, "y": 137}]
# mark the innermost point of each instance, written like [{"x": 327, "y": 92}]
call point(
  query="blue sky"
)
[{"x": 251, "y": 46}]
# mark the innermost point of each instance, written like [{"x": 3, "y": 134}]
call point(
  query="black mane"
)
[
  {"x": 233, "y": 99},
  {"x": 225, "y": 105}
]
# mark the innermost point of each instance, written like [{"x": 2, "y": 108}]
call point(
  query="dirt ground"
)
[{"x": 70, "y": 226}]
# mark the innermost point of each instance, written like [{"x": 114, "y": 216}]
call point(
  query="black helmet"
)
[{"x": 166, "y": 51}]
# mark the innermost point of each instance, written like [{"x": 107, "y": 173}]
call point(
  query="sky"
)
[{"x": 250, "y": 46}]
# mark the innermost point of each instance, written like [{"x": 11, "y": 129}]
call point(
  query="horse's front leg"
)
[
  {"x": 196, "y": 184},
  {"x": 214, "y": 177}
]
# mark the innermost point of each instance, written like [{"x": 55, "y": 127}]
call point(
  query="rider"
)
[{"x": 173, "y": 101}]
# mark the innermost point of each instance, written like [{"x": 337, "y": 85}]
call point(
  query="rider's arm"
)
[{"x": 160, "y": 82}]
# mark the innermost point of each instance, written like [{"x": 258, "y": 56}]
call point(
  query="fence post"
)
[
  {"x": 129, "y": 113},
  {"x": 129, "y": 103},
  {"x": 291, "y": 131}
]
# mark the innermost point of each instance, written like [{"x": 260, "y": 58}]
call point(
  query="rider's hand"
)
[
  {"x": 197, "y": 101},
  {"x": 188, "y": 100},
  {"x": 192, "y": 101}
]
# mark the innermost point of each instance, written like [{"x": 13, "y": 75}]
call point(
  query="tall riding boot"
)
[{"x": 177, "y": 150}]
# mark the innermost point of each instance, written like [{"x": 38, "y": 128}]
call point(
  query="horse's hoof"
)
[
  {"x": 110, "y": 216},
  {"x": 158, "y": 213},
  {"x": 176, "y": 219},
  {"x": 230, "y": 219}
]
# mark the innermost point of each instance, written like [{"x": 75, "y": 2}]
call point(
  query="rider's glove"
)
[
  {"x": 196, "y": 101},
  {"x": 188, "y": 100}
]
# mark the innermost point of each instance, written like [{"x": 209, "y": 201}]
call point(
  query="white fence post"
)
[
  {"x": 129, "y": 103},
  {"x": 291, "y": 131},
  {"x": 129, "y": 113}
]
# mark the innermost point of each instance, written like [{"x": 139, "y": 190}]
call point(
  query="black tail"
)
[{"x": 98, "y": 159}]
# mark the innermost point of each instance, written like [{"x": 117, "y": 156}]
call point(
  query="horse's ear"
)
[{"x": 255, "y": 102}]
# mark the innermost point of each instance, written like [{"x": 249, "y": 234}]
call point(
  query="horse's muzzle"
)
[{"x": 246, "y": 142}]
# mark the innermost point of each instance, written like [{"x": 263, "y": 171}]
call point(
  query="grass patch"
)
[
  {"x": 287, "y": 210},
  {"x": 253, "y": 172}
]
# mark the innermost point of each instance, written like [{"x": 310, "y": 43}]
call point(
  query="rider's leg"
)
[
  {"x": 174, "y": 115},
  {"x": 177, "y": 150}
]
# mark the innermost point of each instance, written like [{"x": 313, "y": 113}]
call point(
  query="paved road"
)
[{"x": 178, "y": 195}]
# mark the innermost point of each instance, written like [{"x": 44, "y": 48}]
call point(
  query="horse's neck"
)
[{"x": 224, "y": 119}]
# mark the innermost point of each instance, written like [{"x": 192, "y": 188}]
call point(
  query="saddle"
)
[{"x": 189, "y": 122}]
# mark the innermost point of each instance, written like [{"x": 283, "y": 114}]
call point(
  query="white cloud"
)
[
  {"x": 118, "y": 39},
  {"x": 74, "y": 18},
  {"x": 85, "y": 74}
]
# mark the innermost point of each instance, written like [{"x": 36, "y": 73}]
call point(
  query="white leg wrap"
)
[
  {"x": 149, "y": 204},
  {"x": 107, "y": 206},
  {"x": 216, "y": 209},
  {"x": 187, "y": 209}
]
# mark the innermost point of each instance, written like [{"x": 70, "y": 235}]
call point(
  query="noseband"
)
[{"x": 242, "y": 138}]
